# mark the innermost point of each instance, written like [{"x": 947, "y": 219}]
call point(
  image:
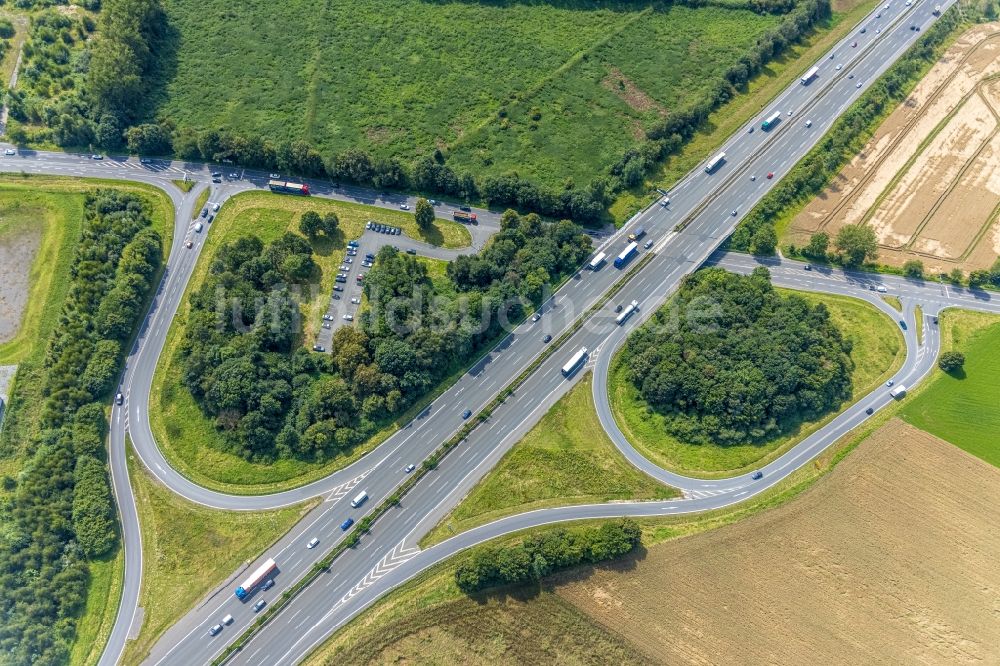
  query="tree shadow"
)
[
  {"x": 957, "y": 373},
  {"x": 431, "y": 235},
  {"x": 163, "y": 67}
]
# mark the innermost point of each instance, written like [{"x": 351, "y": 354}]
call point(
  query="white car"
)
[
  {"x": 275, "y": 176},
  {"x": 313, "y": 543},
  {"x": 404, "y": 206},
  {"x": 348, "y": 317},
  {"x": 839, "y": 67},
  {"x": 356, "y": 300},
  {"x": 345, "y": 268},
  {"x": 198, "y": 227},
  {"x": 859, "y": 85},
  {"x": 881, "y": 289},
  {"x": 215, "y": 207},
  {"x": 809, "y": 123},
  {"x": 10, "y": 151},
  {"x": 227, "y": 620},
  {"x": 878, "y": 31}
]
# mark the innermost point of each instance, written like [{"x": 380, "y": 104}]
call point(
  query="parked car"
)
[
  {"x": 356, "y": 300},
  {"x": 216, "y": 179},
  {"x": 326, "y": 324},
  {"x": 198, "y": 227},
  {"x": 329, "y": 317},
  {"x": 410, "y": 250},
  {"x": 318, "y": 348},
  {"x": 348, "y": 317},
  {"x": 274, "y": 176},
  {"x": 216, "y": 174},
  {"x": 97, "y": 157},
  {"x": 368, "y": 224},
  {"x": 204, "y": 212}
]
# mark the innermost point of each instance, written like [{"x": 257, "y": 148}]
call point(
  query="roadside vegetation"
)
[
  {"x": 960, "y": 405},
  {"x": 277, "y": 413},
  {"x": 848, "y": 135},
  {"x": 431, "y": 618},
  {"x": 62, "y": 510},
  {"x": 189, "y": 550},
  {"x": 565, "y": 459},
  {"x": 876, "y": 350}
]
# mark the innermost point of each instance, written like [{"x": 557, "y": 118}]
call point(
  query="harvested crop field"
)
[
  {"x": 890, "y": 559},
  {"x": 927, "y": 181}
]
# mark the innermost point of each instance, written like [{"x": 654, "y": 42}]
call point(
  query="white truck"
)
[
  {"x": 596, "y": 262},
  {"x": 898, "y": 392}
]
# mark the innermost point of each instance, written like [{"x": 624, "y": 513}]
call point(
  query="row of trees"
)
[
  {"x": 731, "y": 361},
  {"x": 542, "y": 554},
  {"x": 241, "y": 351},
  {"x": 843, "y": 141},
  {"x": 853, "y": 245},
  {"x": 63, "y": 510}
]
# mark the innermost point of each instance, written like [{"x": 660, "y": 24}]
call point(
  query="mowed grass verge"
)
[
  {"x": 565, "y": 459},
  {"x": 964, "y": 407},
  {"x": 878, "y": 351},
  {"x": 189, "y": 549},
  {"x": 412, "y": 623},
  {"x": 186, "y": 436}
]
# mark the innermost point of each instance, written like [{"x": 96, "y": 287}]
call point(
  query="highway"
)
[
  {"x": 707, "y": 202},
  {"x": 385, "y": 557}
]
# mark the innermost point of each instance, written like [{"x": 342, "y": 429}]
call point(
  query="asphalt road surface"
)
[{"x": 707, "y": 201}]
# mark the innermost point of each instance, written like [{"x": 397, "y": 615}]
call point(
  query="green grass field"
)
[
  {"x": 98, "y": 618},
  {"x": 878, "y": 351},
  {"x": 964, "y": 408},
  {"x": 552, "y": 90},
  {"x": 565, "y": 459},
  {"x": 189, "y": 549},
  {"x": 186, "y": 436}
]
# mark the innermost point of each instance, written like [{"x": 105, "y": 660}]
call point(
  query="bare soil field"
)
[
  {"x": 889, "y": 559},
  {"x": 17, "y": 252},
  {"x": 927, "y": 180}
]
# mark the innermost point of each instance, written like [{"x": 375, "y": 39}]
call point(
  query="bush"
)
[
  {"x": 542, "y": 554},
  {"x": 951, "y": 361},
  {"x": 914, "y": 269}
]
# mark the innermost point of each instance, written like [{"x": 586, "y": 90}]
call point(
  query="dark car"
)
[
  {"x": 902, "y": 324},
  {"x": 547, "y": 338},
  {"x": 869, "y": 411},
  {"x": 204, "y": 212},
  {"x": 119, "y": 398},
  {"x": 808, "y": 267},
  {"x": 467, "y": 413},
  {"x": 257, "y": 607},
  {"x": 467, "y": 209},
  {"x": 214, "y": 631},
  {"x": 410, "y": 250},
  {"x": 269, "y": 584},
  {"x": 346, "y": 525},
  {"x": 935, "y": 320},
  {"x": 216, "y": 174},
  {"x": 757, "y": 475},
  {"x": 318, "y": 348},
  {"x": 216, "y": 180},
  {"x": 337, "y": 287},
  {"x": 618, "y": 308}
]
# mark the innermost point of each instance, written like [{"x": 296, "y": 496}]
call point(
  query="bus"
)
[
  {"x": 809, "y": 76},
  {"x": 771, "y": 121},
  {"x": 715, "y": 163},
  {"x": 627, "y": 312},
  {"x": 574, "y": 362},
  {"x": 596, "y": 262},
  {"x": 629, "y": 251}
]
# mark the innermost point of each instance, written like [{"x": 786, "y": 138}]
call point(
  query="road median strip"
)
[{"x": 429, "y": 464}]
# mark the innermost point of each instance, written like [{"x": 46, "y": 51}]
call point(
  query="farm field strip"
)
[{"x": 930, "y": 158}]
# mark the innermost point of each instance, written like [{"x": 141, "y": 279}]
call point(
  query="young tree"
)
[
  {"x": 764, "y": 240},
  {"x": 310, "y": 223},
  {"x": 956, "y": 275},
  {"x": 856, "y": 243},
  {"x": 914, "y": 269},
  {"x": 979, "y": 278},
  {"x": 424, "y": 213},
  {"x": 951, "y": 361},
  {"x": 330, "y": 223},
  {"x": 819, "y": 244}
]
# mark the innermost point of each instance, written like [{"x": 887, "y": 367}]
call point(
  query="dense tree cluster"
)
[
  {"x": 731, "y": 361},
  {"x": 63, "y": 511},
  {"x": 542, "y": 554},
  {"x": 241, "y": 355},
  {"x": 848, "y": 134},
  {"x": 951, "y": 361}
]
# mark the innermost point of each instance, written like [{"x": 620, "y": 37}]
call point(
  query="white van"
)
[{"x": 360, "y": 499}]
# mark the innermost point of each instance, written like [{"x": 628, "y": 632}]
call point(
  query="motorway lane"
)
[{"x": 783, "y": 146}]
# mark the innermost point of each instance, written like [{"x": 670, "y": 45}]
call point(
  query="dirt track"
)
[
  {"x": 890, "y": 559},
  {"x": 927, "y": 181}
]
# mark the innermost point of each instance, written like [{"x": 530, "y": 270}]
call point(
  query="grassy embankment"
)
[
  {"x": 189, "y": 549},
  {"x": 184, "y": 185},
  {"x": 187, "y": 437},
  {"x": 878, "y": 351},
  {"x": 56, "y": 204},
  {"x": 429, "y": 619},
  {"x": 963, "y": 407},
  {"x": 200, "y": 202},
  {"x": 754, "y": 100},
  {"x": 565, "y": 459}
]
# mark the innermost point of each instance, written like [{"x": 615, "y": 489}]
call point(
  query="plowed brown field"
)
[
  {"x": 891, "y": 559},
  {"x": 928, "y": 181}
]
